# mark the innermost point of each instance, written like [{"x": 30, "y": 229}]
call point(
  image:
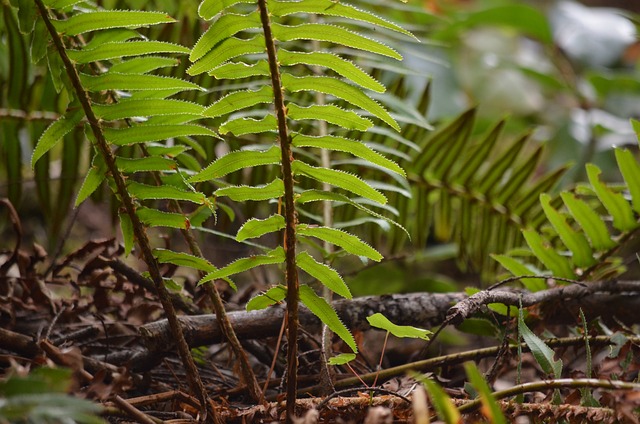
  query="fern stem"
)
[
  {"x": 193, "y": 376},
  {"x": 291, "y": 273}
]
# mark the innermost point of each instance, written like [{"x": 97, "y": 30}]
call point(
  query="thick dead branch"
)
[{"x": 608, "y": 299}]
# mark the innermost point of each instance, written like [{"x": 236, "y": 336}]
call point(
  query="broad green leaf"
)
[
  {"x": 631, "y": 173},
  {"x": 104, "y": 19},
  {"x": 210, "y": 8},
  {"x": 61, "y": 4},
  {"x": 346, "y": 119},
  {"x": 332, "y": 34},
  {"x": 442, "y": 403},
  {"x": 340, "y": 179},
  {"x": 348, "y": 242},
  {"x": 323, "y": 273},
  {"x": 332, "y": 8},
  {"x": 146, "y": 107},
  {"x": 343, "y": 358},
  {"x": 151, "y": 163},
  {"x": 126, "y": 227},
  {"x": 517, "y": 268},
  {"x": 116, "y": 81},
  {"x": 327, "y": 315},
  {"x": 340, "y": 90},
  {"x": 558, "y": 265},
  {"x": 54, "y": 133},
  {"x": 156, "y": 218},
  {"x": 273, "y": 190},
  {"x": 275, "y": 256},
  {"x": 149, "y": 192},
  {"x": 227, "y": 50},
  {"x": 378, "y": 320},
  {"x": 239, "y": 100},
  {"x": 330, "y": 196},
  {"x": 590, "y": 222},
  {"x": 240, "y": 70},
  {"x": 183, "y": 259},
  {"x": 225, "y": 27},
  {"x": 243, "y": 126},
  {"x": 341, "y": 144},
  {"x": 264, "y": 300},
  {"x": 108, "y": 51},
  {"x": 237, "y": 160},
  {"x": 95, "y": 177},
  {"x": 147, "y": 133},
  {"x": 615, "y": 203},
  {"x": 490, "y": 409},
  {"x": 343, "y": 67},
  {"x": 541, "y": 352},
  {"x": 255, "y": 227},
  {"x": 142, "y": 65},
  {"x": 576, "y": 242}
]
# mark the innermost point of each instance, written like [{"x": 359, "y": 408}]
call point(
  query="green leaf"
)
[
  {"x": 210, "y": 8},
  {"x": 147, "y": 133},
  {"x": 490, "y": 409},
  {"x": 254, "y": 228},
  {"x": 615, "y": 203},
  {"x": 340, "y": 179},
  {"x": 108, "y": 51},
  {"x": 141, "y": 65},
  {"x": 126, "y": 227},
  {"x": 275, "y": 256},
  {"x": 558, "y": 265},
  {"x": 332, "y": 34},
  {"x": 341, "y": 144},
  {"x": 348, "y": 242},
  {"x": 239, "y": 100},
  {"x": 225, "y": 51},
  {"x": 541, "y": 352},
  {"x": 343, "y": 67},
  {"x": 340, "y": 90},
  {"x": 576, "y": 242},
  {"x": 270, "y": 297},
  {"x": 378, "y": 320},
  {"x": 323, "y": 310},
  {"x": 116, "y": 81},
  {"x": 240, "y": 70},
  {"x": 54, "y": 133},
  {"x": 273, "y": 190},
  {"x": 343, "y": 358},
  {"x": 517, "y": 268},
  {"x": 631, "y": 174},
  {"x": 590, "y": 222},
  {"x": 151, "y": 163},
  {"x": 183, "y": 259},
  {"x": 330, "y": 196},
  {"x": 146, "y": 107},
  {"x": 237, "y": 160},
  {"x": 244, "y": 126},
  {"x": 323, "y": 273},
  {"x": 149, "y": 192},
  {"x": 156, "y": 218},
  {"x": 332, "y": 8},
  {"x": 442, "y": 403},
  {"x": 104, "y": 19},
  {"x": 225, "y": 27},
  {"x": 346, "y": 119},
  {"x": 92, "y": 181},
  {"x": 61, "y": 4}
]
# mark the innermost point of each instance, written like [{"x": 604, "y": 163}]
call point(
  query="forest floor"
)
[{"x": 90, "y": 313}]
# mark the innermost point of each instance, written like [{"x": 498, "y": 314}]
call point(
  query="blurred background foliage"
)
[{"x": 565, "y": 72}]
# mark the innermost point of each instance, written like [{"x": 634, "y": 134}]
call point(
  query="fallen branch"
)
[{"x": 607, "y": 299}]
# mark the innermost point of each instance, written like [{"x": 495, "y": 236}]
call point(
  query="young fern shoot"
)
[{"x": 234, "y": 47}]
